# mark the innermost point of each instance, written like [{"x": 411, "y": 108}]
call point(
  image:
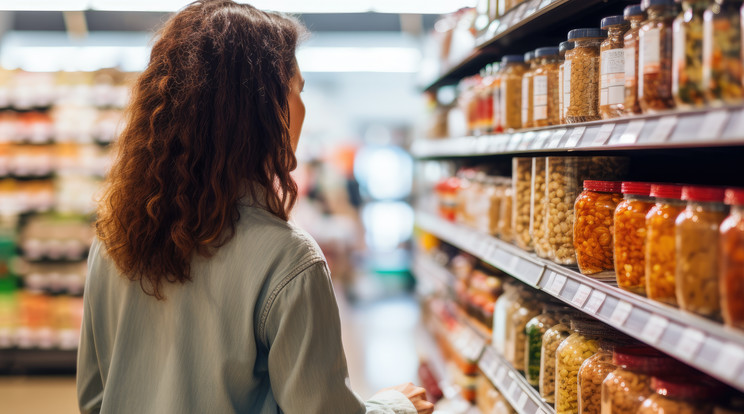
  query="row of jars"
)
[
  {"x": 583, "y": 366},
  {"x": 654, "y": 57}
]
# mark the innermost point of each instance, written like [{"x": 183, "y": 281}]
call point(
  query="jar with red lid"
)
[
  {"x": 630, "y": 236},
  {"x": 660, "y": 248},
  {"x": 688, "y": 396},
  {"x": 447, "y": 197},
  {"x": 697, "y": 241},
  {"x": 732, "y": 260},
  {"x": 594, "y": 209},
  {"x": 625, "y": 389}
]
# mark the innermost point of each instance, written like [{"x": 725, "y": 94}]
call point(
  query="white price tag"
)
[
  {"x": 575, "y": 137},
  {"x": 664, "y": 128},
  {"x": 729, "y": 361},
  {"x": 736, "y": 132},
  {"x": 603, "y": 134},
  {"x": 689, "y": 343},
  {"x": 632, "y": 131},
  {"x": 581, "y": 295},
  {"x": 513, "y": 263},
  {"x": 654, "y": 328},
  {"x": 555, "y": 139},
  {"x": 556, "y": 285},
  {"x": 501, "y": 374},
  {"x": 527, "y": 139},
  {"x": 621, "y": 313},
  {"x": 542, "y": 139},
  {"x": 595, "y": 301},
  {"x": 522, "y": 401},
  {"x": 713, "y": 124},
  {"x": 513, "y": 387},
  {"x": 514, "y": 141}
]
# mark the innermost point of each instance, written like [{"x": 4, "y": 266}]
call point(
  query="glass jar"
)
[
  {"x": 512, "y": 70},
  {"x": 674, "y": 396},
  {"x": 495, "y": 85},
  {"x": 687, "y": 66},
  {"x": 660, "y": 248},
  {"x": 538, "y": 203},
  {"x": 625, "y": 389},
  {"x": 545, "y": 81},
  {"x": 634, "y": 15},
  {"x": 503, "y": 303},
  {"x": 655, "y": 41},
  {"x": 732, "y": 260},
  {"x": 591, "y": 374},
  {"x": 522, "y": 191},
  {"x": 527, "y": 90},
  {"x": 447, "y": 190},
  {"x": 571, "y": 353},
  {"x": 563, "y": 86},
  {"x": 697, "y": 242},
  {"x": 551, "y": 340},
  {"x": 505, "y": 232},
  {"x": 612, "y": 68},
  {"x": 722, "y": 60},
  {"x": 517, "y": 337},
  {"x": 485, "y": 94},
  {"x": 534, "y": 331},
  {"x": 630, "y": 236},
  {"x": 582, "y": 74},
  {"x": 494, "y": 195},
  {"x": 593, "y": 228}
]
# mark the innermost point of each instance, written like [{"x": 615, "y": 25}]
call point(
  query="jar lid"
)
[
  {"x": 603, "y": 186},
  {"x": 673, "y": 191},
  {"x": 633, "y": 10},
  {"x": 645, "y": 4},
  {"x": 546, "y": 51},
  {"x": 586, "y": 33},
  {"x": 506, "y": 59},
  {"x": 529, "y": 56},
  {"x": 705, "y": 194},
  {"x": 644, "y": 359},
  {"x": 567, "y": 45},
  {"x": 695, "y": 387},
  {"x": 734, "y": 196},
  {"x": 612, "y": 21},
  {"x": 636, "y": 188}
]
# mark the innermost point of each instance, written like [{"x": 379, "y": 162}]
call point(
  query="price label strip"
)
[
  {"x": 729, "y": 361},
  {"x": 603, "y": 134},
  {"x": 556, "y": 284},
  {"x": 631, "y": 133},
  {"x": 655, "y": 327},
  {"x": 541, "y": 140},
  {"x": 621, "y": 313},
  {"x": 689, "y": 343},
  {"x": 575, "y": 137},
  {"x": 596, "y": 300},
  {"x": 713, "y": 124},
  {"x": 555, "y": 139},
  {"x": 664, "y": 129},
  {"x": 581, "y": 295},
  {"x": 527, "y": 139},
  {"x": 522, "y": 401}
]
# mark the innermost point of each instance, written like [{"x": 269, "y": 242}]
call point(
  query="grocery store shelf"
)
[
  {"x": 701, "y": 343},
  {"x": 513, "y": 386},
  {"x": 675, "y": 129}
]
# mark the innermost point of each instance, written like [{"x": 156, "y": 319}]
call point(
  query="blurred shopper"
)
[{"x": 200, "y": 296}]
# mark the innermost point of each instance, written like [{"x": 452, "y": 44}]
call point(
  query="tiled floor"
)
[{"x": 378, "y": 339}]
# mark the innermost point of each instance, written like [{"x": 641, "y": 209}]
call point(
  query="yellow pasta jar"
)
[{"x": 570, "y": 355}]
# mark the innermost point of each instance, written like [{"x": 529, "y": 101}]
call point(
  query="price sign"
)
[
  {"x": 713, "y": 124},
  {"x": 596, "y": 300},
  {"x": 581, "y": 295},
  {"x": 689, "y": 343},
  {"x": 664, "y": 128},
  {"x": 555, "y": 139},
  {"x": 603, "y": 134},
  {"x": 621, "y": 313},
  {"x": 556, "y": 284},
  {"x": 631, "y": 133},
  {"x": 522, "y": 401},
  {"x": 654, "y": 328},
  {"x": 575, "y": 137},
  {"x": 729, "y": 361}
]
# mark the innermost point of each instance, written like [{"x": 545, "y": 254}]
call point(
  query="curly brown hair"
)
[{"x": 207, "y": 128}]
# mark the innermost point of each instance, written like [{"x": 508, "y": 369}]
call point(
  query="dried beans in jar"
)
[
  {"x": 538, "y": 205},
  {"x": 522, "y": 190},
  {"x": 545, "y": 87},
  {"x": 551, "y": 341},
  {"x": 581, "y": 69},
  {"x": 512, "y": 69}
]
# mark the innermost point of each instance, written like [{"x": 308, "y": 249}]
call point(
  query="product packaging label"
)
[
  {"x": 650, "y": 46},
  {"x": 525, "y": 97},
  {"x": 540, "y": 99},
  {"x": 678, "y": 49},
  {"x": 613, "y": 77},
  {"x": 630, "y": 66},
  {"x": 566, "y": 86}
]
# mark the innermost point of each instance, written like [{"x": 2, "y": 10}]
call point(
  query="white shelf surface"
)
[
  {"x": 674, "y": 129},
  {"x": 701, "y": 343}
]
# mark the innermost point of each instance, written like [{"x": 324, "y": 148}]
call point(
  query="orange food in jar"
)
[
  {"x": 630, "y": 236},
  {"x": 660, "y": 249},
  {"x": 732, "y": 260},
  {"x": 594, "y": 210}
]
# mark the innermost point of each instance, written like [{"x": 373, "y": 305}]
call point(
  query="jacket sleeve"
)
[
  {"x": 89, "y": 381},
  {"x": 307, "y": 365}
]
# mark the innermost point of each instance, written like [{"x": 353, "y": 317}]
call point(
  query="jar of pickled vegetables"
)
[
  {"x": 538, "y": 203},
  {"x": 681, "y": 396},
  {"x": 517, "y": 335},
  {"x": 545, "y": 87},
  {"x": 534, "y": 330},
  {"x": 503, "y": 303},
  {"x": 732, "y": 260},
  {"x": 722, "y": 59},
  {"x": 563, "y": 88},
  {"x": 660, "y": 248},
  {"x": 591, "y": 374},
  {"x": 612, "y": 68},
  {"x": 571, "y": 353},
  {"x": 512, "y": 70},
  {"x": 627, "y": 387},
  {"x": 563, "y": 181},
  {"x": 655, "y": 40},
  {"x": 505, "y": 220},
  {"x": 553, "y": 337},
  {"x": 593, "y": 227},
  {"x": 527, "y": 89},
  {"x": 634, "y": 15},
  {"x": 582, "y": 75},
  {"x": 697, "y": 241},
  {"x": 687, "y": 66},
  {"x": 630, "y": 236},
  {"x": 522, "y": 191}
]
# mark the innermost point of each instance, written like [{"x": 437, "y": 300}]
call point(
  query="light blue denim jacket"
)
[{"x": 256, "y": 331}]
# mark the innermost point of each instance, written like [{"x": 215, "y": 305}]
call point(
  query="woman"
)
[{"x": 201, "y": 297}]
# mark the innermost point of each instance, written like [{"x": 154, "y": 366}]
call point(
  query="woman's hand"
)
[{"x": 417, "y": 396}]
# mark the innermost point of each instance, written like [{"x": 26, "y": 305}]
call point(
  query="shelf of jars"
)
[
  {"x": 673, "y": 129},
  {"x": 701, "y": 343}
]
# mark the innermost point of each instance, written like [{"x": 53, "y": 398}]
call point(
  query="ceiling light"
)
[
  {"x": 359, "y": 59},
  {"x": 44, "y": 5}
]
